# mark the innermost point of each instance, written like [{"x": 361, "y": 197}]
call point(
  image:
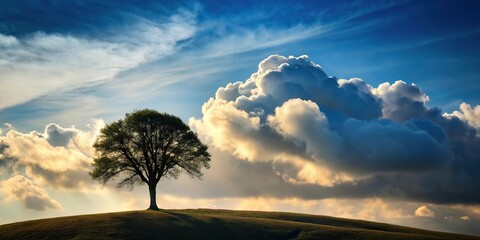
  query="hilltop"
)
[{"x": 212, "y": 224}]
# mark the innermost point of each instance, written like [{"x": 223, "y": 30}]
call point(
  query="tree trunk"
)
[{"x": 153, "y": 197}]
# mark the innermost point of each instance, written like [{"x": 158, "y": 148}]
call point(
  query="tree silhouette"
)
[{"x": 146, "y": 146}]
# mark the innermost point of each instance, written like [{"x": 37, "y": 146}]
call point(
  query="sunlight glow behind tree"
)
[{"x": 146, "y": 146}]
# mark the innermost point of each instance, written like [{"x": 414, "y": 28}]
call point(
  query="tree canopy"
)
[{"x": 146, "y": 146}]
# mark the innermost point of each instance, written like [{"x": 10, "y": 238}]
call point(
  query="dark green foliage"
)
[{"x": 146, "y": 146}]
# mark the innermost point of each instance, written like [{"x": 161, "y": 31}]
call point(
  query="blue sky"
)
[
  {"x": 68, "y": 67},
  {"x": 430, "y": 43}
]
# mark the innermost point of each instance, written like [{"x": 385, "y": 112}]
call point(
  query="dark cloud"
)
[
  {"x": 58, "y": 136},
  {"x": 67, "y": 179},
  {"x": 401, "y": 101},
  {"x": 386, "y": 146},
  {"x": 231, "y": 178},
  {"x": 346, "y": 138}
]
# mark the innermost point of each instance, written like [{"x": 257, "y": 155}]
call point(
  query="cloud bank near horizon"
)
[
  {"x": 314, "y": 129},
  {"x": 59, "y": 158},
  {"x": 311, "y": 135},
  {"x": 33, "y": 197}
]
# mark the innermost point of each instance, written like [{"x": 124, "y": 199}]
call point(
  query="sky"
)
[{"x": 359, "y": 109}]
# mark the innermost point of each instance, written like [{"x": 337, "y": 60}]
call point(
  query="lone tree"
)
[{"x": 146, "y": 146}]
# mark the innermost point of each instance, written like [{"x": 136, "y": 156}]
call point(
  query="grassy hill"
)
[{"x": 211, "y": 224}]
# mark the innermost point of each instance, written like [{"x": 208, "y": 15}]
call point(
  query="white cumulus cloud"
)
[
  {"x": 290, "y": 112},
  {"x": 33, "y": 197},
  {"x": 59, "y": 158},
  {"x": 401, "y": 101},
  {"x": 469, "y": 114},
  {"x": 424, "y": 211}
]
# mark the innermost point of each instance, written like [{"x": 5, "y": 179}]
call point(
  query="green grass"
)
[{"x": 211, "y": 224}]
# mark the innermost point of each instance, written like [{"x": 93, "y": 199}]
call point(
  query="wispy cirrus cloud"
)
[
  {"x": 114, "y": 65},
  {"x": 42, "y": 63}
]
